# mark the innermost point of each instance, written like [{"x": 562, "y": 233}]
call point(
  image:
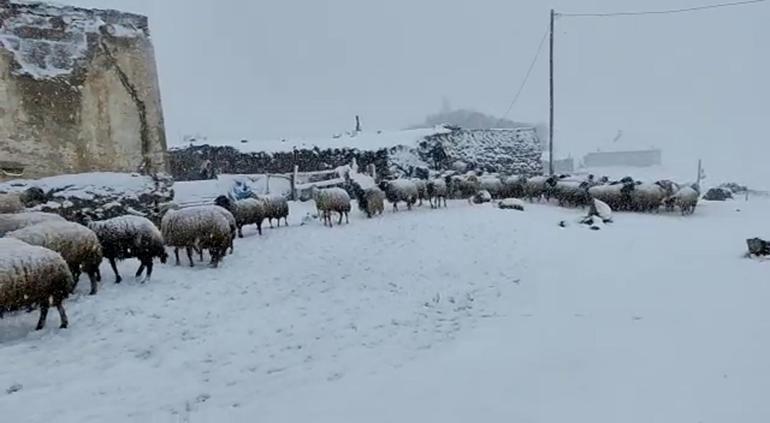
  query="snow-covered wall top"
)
[
  {"x": 370, "y": 141},
  {"x": 49, "y": 41}
]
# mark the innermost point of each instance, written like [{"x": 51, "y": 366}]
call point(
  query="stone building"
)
[{"x": 78, "y": 92}]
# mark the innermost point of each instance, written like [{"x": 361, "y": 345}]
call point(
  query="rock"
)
[
  {"x": 511, "y": 204},
  {"x": 594, "y": 223},
  {"x": 482, "y": 197},
  {"x": 97, "y": 196},
  {"x": 718, "y": 194},
  {"x": 602, "y": 210},
  {"x": 758, "y": 247},
  {"x": 16, "y": 387}
]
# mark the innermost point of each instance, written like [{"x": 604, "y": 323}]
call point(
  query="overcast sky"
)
[{"x": 266, "y": 69}]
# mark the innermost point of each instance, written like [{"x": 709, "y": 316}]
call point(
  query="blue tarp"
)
[{"x": 241, "y": 191}]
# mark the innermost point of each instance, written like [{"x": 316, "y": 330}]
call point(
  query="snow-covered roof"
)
[
  {"x": 48, "y": 40},
  {"x": 362, "y": 140}
]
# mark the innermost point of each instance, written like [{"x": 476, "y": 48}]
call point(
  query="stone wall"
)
[
  {"x": 511, "y": 151},
  {"x": 185, "y": 163},
  {"x": 78, "y": 91}
]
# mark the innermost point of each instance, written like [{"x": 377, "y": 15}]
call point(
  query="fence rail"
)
[{"x": 299, "y": 182}]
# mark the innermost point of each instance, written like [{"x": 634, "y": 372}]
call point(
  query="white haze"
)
[{"x": 694, "y": 85}]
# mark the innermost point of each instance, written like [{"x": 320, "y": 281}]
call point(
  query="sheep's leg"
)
[
  {"x": 141, "y": 268},
  {"x": 118, "y": 279},
  {"x": 408, "y": 206},
  {"x": 43, "y": 315},
  {"x": 62, "y": 315},
  {"x": 149, "y": 264},
  {"x": 240, "y": 231},
  {"x": 340, "y": 221},
  {"x": 75, "y": 270},
  {"x": 189, "y": 256},
  {"x": 347, "y": 217},
  {"x": 270, "y": 222},
  {"x": 200, "y": 253},
  {"x": 176, "y": 254},
  {"x": 395, "y": 207},
  {"x": 92, "y": 278},
  {"x": 98, "y": 274}
]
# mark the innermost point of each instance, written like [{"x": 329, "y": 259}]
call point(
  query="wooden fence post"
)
[{"x": 293, "y": 180}]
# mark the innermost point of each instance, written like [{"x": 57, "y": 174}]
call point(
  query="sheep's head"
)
[
  {"x": 33, "y": 196},
  {"x": 224, "y": 202}
]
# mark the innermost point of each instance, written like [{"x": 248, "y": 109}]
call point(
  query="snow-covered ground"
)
[{"x": 469, "y": 313}]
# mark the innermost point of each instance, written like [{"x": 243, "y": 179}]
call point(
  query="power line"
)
[
  {"x": 526, "y": 77},
  {"x": 662, "y": 12}
]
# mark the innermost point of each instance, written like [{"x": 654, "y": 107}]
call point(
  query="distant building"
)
[
  {"x": 78, "y": 92},
  {"x": 641, "y": 158}
]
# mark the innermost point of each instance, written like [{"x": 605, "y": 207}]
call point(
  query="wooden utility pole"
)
[
  {"x": 550, "y": 124},
  {"x": 700, "y": 172}
]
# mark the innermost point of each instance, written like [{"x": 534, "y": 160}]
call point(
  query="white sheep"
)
[
  {"x": 16, "y": 202},
  {"x": 616, "y": 195},
  {"x": 647, "y": 197},
  {"x": 686, "y": 199},
  {"x": 332, "y": 200},
  {"x": 422, "y": 190},
  {"x": 33, "y": 276},
  {"x": 437, "y": 190},
  {"x": 491, "y": 184},
  {"x": 372, "y": 201},
  {"x": 78, "y": 245},
  {"x": 513, "y": 186},
  {"x": 464, "y": 186},
  {"x": 130, "y": 236},
  {"x": 11, "y": 203},
  {"x": 230, "y": 221},
  {"x": 276, "y": 207},
  {"x": 571, "y": 193},
  {"x": 399, "y": 190},
  {"x": 249, "y": 211},
  {"x": 197, "y": 228},
  {"x": 16, "y": 221},
  {"x": 537, "y": 187}
]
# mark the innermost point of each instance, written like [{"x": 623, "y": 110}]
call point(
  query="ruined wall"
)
[{"x": 78, "y": 91}]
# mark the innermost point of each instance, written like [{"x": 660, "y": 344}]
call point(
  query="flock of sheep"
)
[
  {"x": 42, "y": 255},
  {"x": 625, "y": 194}
]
